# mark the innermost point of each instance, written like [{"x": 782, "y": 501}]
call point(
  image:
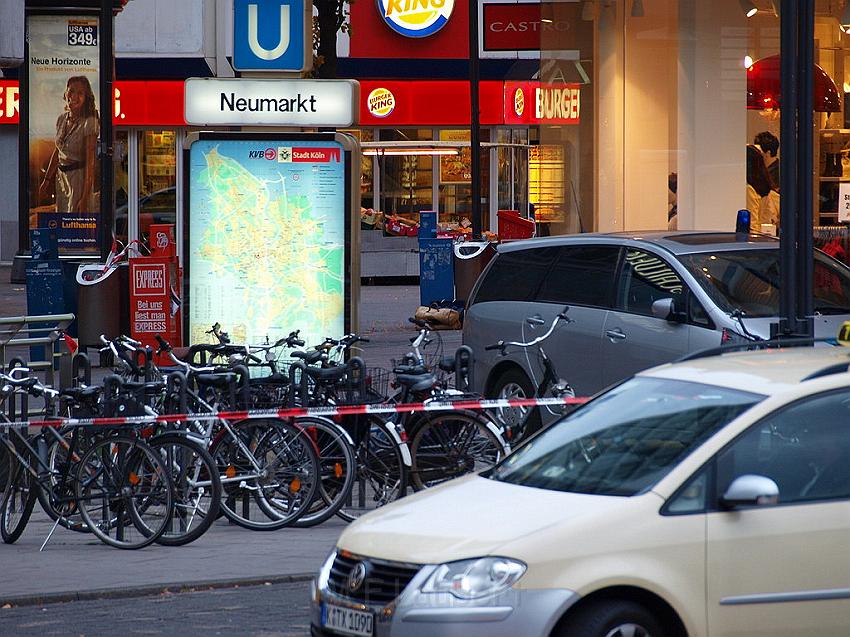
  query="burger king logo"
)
[
  {"x": 380, "y": 102},
  {"x": 519, "y": 102},
  {"x": 415, "y": 18}
]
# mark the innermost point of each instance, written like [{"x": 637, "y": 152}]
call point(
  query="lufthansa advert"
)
[{"x": 64, "y": 125}]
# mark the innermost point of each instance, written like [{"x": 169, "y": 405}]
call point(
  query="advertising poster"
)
[
  {"x": 64, "y": 126},
  {"x": 266, "y": 250},
  {"x": 456, "y": 169}
]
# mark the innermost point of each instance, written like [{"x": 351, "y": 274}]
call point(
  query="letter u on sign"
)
[
  {"x": 254, "y": 36},
  {"x": 271, "y": 35}
]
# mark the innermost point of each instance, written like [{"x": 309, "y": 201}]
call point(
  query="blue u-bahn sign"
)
[{"x": 272, "y": 35}]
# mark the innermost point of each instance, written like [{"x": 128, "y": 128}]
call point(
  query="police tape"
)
[{"x": 300, "y": 412}]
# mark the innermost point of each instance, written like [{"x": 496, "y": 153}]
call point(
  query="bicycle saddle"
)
[
  {"x": 80, "y": 393},
  {"x": 327, "y": 374},
  {"x": 273, "y": 379},
  {"x": 309, "y": 357},
  {"x": 417, "y": 382},
  {"x": 411, "y": 370},
  {"x": 131, "y": 385},
  {"x": 217, "y": 381}
]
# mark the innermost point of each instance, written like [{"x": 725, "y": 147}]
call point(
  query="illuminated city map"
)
[{"x": 266, "y": 239}]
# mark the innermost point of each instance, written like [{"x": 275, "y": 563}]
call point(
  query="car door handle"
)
[
  {"x": 535, "y": 320},
  {"x": 615, "y": 335}
]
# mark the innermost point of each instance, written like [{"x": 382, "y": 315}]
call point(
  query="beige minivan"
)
[{"x": 707, "y": 497}]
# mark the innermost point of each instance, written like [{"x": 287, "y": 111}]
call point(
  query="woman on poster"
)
[{"x": 73, "y": 162}]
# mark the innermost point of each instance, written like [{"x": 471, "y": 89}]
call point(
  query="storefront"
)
[
  {"x": 415, "y": 138},
  {"x": 681, "y": 93}
]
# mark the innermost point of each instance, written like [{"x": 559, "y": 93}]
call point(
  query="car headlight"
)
[{"x": 472, "y": 579}]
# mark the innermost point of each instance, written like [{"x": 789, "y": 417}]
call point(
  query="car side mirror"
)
[
  {"x": 750, "y": 490},
  {"x": 667, "y": 309}
]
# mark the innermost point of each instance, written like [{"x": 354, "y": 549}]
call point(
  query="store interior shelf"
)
[
  {"x": 836, "y": 179},
  {"x": 835, "y": 131}
]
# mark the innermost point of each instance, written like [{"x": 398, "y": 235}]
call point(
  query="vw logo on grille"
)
[{"x": 356, "y": 577}]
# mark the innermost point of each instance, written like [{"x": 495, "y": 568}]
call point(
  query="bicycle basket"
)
[{"x": 362, "y": 385}]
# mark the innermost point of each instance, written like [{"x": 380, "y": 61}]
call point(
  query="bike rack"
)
[{"x": 35, "y": 330}]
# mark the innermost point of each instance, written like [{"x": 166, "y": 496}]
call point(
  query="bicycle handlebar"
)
[{"x": 503, "y": 345}]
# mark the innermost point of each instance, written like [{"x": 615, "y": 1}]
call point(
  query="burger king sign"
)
[{"x": 415, "y": 18}]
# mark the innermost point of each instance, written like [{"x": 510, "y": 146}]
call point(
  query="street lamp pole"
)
[
  {"x": 475, "y": 121},
  {"x": 105, "y": 148}
]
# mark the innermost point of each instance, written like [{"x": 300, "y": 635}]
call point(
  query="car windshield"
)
[
  {"x": 748, "y": 280},
  {"x": 626, "y": 440}
]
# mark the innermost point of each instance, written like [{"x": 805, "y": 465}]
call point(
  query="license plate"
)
[{"x": 347, "y": 621}]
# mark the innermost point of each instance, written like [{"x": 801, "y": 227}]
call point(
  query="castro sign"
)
[
  {"x": 415, "y": 18},
  {"x": 278, "y": 102}
]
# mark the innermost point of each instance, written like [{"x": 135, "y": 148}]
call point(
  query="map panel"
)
[{"x": 266, "y": 239}]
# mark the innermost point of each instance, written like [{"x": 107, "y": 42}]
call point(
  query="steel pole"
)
[
  {"x": 805, "y": 175},
  {"x": 105, "y": 146},
  {"x": 475, "y": 121},
  {"x": 789, "y": 199}
]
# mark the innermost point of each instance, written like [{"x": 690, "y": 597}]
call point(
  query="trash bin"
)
[
  {"x": 512, "y": 226},
  {"x": 436, "y": 271},
  {"x": 102, "y": 295},
  {"x": 471, "y": 257}
]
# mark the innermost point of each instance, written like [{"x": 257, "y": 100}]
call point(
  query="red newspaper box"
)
[
  {"x": 155, "y": 284},
  {"x": 161, "y": 240},
  {"x": 512, "y": 226}
]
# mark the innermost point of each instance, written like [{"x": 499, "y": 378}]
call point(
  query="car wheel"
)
[
  {"x": 513, "y": 383},
  {"x": 617, "y": 618}
]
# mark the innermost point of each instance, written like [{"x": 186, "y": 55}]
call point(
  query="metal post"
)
[
  {"x": 475, "y": 120},
  {"x": 788, "y": 168},
  {"x": 105, "y": 148},
  {"x": 805, "y": 178}
]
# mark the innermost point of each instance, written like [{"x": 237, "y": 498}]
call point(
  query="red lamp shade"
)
[{"x": 763, "y": 91}]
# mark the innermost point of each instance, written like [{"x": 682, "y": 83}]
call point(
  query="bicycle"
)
[
  {"x": 447, "y": 444},
  {"x": 118, "y": 485},
  {"x": 521, "y": 422},
  {"x": 269, "y": 468}
]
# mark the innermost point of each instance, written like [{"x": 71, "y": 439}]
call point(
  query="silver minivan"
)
[{"x": 714, "y": 287}]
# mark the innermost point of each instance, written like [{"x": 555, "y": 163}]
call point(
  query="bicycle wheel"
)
[
  {"x": 124, "y": 492},
  {"x": 337, "y": 469},
  {"x": 381, "y": 475},
  {"x": 197, "y": 487},
  {"x": 450, "y": 444},
  {"x": 59, "y": 502},
  {"x": 18, "y": 502},
  {"x": 269, "y": 473}
]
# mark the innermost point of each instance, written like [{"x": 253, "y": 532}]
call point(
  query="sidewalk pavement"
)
[{"x": 77, "y": 566}]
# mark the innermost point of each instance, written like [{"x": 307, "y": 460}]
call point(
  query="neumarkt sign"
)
[{"x": 271, "y": 102}]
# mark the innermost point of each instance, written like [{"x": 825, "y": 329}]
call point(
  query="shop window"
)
[
  {"x": 546, "y": 183},
  {"x": 157, "y": 179},
  {"x": 406, "y": 180},
  {"x": 121, "y": 160},
  {"x": 513, "y": 169},
  {"x": 455, "y": 190}
]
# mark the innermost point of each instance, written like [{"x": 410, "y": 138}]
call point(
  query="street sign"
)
[
  {"x": 272, "y": 35},
  {"x": 271, "y": 102}
]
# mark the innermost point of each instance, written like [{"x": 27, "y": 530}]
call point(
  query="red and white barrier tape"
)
[{"x": 296, "y": 412}]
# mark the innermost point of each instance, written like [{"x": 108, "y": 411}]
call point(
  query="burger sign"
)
[{"x": 415, "y": 18}]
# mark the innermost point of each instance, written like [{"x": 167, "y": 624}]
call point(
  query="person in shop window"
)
[
  {"x": 768, "y": 144},
  {"x": 762, "y": 200},
  {"x": 73, "y": 163}
]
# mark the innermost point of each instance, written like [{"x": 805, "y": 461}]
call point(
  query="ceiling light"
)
[
  {"x": 546, "y": 20},
  {"x": 749, "y": 8},
  {"x": 637, "y": 9},
  {"x": 748, "y": 61},
  {"x": 397, "y": 152}
]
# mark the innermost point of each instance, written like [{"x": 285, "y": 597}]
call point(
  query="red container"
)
[
  {"x": 512, "y": 226},
  {"x": 161, "y": 240},
  {"x": 155, "y": 284}
]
